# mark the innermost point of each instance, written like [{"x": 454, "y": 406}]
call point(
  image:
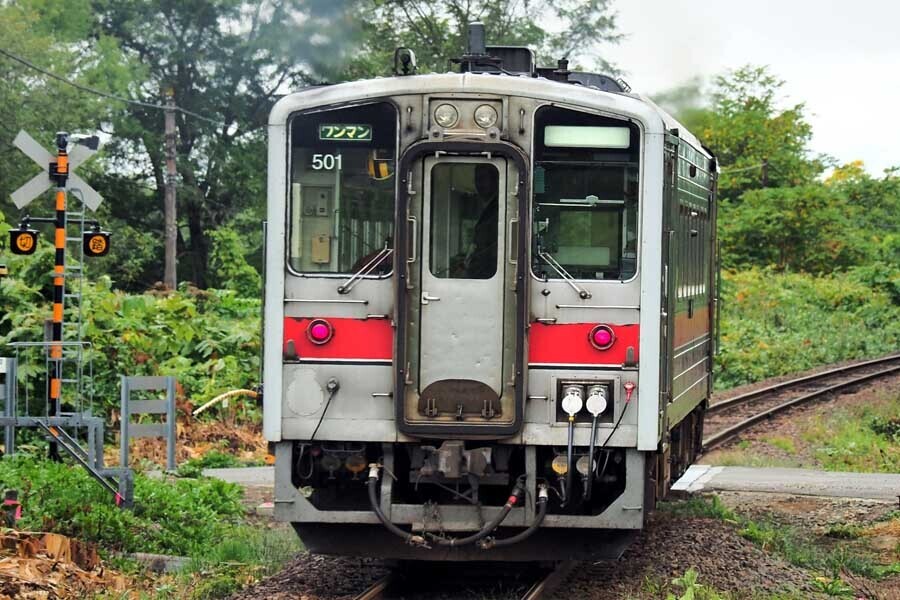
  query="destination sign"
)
[{"x": 342, "y": 131}]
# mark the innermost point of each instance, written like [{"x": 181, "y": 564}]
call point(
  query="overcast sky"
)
[{"x": 842, "y": 58}]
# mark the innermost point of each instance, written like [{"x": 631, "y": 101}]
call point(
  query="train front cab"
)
[{"x": 438, "y": 283}]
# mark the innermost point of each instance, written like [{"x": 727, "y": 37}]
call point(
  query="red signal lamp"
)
[
  {"x": 319, "y": 331},
  {"x": 602, "y": 337}
]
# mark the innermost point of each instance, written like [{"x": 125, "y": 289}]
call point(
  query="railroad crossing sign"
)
[{"x": 42, "y": 182}]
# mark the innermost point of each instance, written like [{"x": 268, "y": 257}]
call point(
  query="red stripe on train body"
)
[
  {"x": 352, "y": 339},
  {"x": 570, "y": 343}
]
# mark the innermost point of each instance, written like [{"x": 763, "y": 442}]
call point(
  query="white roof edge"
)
[{"x": 637, "y": 107}]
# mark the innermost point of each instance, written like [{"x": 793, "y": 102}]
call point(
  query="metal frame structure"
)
[{"x": 130, "y": 431}]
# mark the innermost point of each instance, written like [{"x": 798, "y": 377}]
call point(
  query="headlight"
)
[
  {"x": 485, "y": 116},
  {"x": 446, "y": 115},
  {"x": 583, "y": 466}
]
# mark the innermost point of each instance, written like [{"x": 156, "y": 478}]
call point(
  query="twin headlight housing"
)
[{"x": 447, "y": 116}]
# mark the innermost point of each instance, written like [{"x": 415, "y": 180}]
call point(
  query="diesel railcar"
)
[{"x": 490, "y": 306}]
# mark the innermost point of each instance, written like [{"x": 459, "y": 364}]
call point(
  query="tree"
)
[
  {"x": 45, "y": 33},
  {"x": 746, "y": 126},
  {"x": 227, "y": 61},
  {"x": 436, "y": 31}
]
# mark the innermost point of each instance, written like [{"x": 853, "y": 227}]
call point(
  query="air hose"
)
[
  {"x": 409, "y": 538},
  {"x": 514, "y": 498},
  {"x": 542, "y": 501}
]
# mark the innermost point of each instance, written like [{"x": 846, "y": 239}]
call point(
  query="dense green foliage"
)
[
  {"x": 208, "y": 339},
  {"x": 774, "y": 324},
  {"x": 172, "y": 517}
]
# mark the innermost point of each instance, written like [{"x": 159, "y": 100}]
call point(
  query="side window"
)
[
  {"x": 586, "y": 193},
  {"x": 342, "y": 189}
]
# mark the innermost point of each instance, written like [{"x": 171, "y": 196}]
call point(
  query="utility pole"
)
[
  {"x": 765, "y": 171},
  {"x": 170, "y": 278}
]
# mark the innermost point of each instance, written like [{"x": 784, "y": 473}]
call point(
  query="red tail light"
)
[
  {"x": 319, "y": 331},
  {"x": 602, "y": 337}
]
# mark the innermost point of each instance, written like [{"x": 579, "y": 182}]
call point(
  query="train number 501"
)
[{"x": 326, "y": 162}]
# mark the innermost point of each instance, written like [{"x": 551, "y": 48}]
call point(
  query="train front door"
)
[{"x": 462, "y": 286}]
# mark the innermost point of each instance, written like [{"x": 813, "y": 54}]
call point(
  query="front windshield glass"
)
[
  {"x": 585, "y": 205},
  {"x": 342, "y": 189}
]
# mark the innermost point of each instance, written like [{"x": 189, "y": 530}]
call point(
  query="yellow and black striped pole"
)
[{"x": 54, "y": 390}]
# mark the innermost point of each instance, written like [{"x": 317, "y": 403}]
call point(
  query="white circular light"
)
[
  {"x": 583, "y": 465},
  {"x": 485, "y": 116},
  {"x": 446, "y": 115}
]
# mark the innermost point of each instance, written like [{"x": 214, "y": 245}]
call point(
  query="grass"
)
[
  {"x": 746, "y": 457},
  {"x": 688, "y": 586},
  {"x": 863, "y": 438},
  {"x": 782, "y": 442},
  {"x": 859, "y": 438}
]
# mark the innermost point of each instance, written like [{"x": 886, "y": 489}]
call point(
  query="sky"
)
[{"x": 842, "y": 59}]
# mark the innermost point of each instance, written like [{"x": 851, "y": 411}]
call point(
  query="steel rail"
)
[
  {"x": 759, "y": 393},
  {"x": 377, "y": 589},
  {"x": 548, "y": 584},
  {"x": 728, "y": 433}
]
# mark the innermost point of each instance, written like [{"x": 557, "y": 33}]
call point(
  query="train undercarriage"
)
[{"x": 475, "y": 500}]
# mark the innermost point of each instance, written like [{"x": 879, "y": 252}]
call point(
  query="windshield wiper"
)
[
  {"x": 561, "y": 271},
  {"x": 370, "y": 266}
]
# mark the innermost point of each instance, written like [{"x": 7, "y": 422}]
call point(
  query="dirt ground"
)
[{"x": 671, "y": 544}]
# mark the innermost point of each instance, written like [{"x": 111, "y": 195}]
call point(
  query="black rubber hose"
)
[
  {"x": 527, "y": 533},
  {"x": 590, "y": 476},
  {"x": 487, "y": 529},
  {"x": 407, "y": 537}
]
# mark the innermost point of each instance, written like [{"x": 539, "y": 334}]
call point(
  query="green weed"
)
[
  {"x": 700, "y": 506},
  {"x": 169, "y": 517},
  {"x": 782, "y": 442}
]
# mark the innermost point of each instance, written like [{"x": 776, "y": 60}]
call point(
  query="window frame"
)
[
  {"x": 640, "y": 186},
  {"x": 289, "y": 158}
]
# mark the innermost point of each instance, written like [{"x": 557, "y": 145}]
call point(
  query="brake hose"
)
[
  {"x": 409, "y": 538},
  {"x": 514, "y": 497},
  {"x": 542, "y": 502}
]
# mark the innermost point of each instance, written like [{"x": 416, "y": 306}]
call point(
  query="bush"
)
[
  {"x": 208, "y": 339},
  {"x": 778, "y": 323},
  {"x": 170, "y": 517}
]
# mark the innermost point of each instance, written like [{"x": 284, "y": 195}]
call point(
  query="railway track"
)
[
  {"x": 403, "y": 585},
  {"x": 728, "y": 418}
]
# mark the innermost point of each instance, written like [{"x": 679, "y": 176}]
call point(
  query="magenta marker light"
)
[
  {"x": 319, "y": 331},
  {"x": 602, "y": 337}
]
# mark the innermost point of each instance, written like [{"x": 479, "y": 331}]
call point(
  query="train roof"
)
[{"x": 637, "y": 106}]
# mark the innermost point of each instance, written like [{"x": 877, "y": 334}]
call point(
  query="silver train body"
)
[{"x": 454, "y": 264}]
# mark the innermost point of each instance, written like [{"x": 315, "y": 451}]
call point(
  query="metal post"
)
[
  {"x": 170, "y": 278},
  {"x": 124, "y": 418},
  {"x": 8, "y": 368},
  {"x": 54, "y": 390},
  {"x": 170, "y": 423}
]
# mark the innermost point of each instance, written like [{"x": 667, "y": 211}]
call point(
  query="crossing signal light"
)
[
  {"x": 23, "y": 241},
  {"x": 96, "y": 243}
]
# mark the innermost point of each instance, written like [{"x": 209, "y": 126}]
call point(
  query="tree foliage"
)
[
  {"x": 436, "y": 31},
  {"x": 747, "y": 124}
]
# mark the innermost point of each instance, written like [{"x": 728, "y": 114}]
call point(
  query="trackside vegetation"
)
[{"x": 181, "y": 517}]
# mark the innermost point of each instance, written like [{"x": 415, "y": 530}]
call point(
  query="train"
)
[{"x": 490, "y": 310}]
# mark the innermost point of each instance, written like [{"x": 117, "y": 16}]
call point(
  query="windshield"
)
[
  {"x": 585, "y": 206},
  {"x": 342, "y": 189}
]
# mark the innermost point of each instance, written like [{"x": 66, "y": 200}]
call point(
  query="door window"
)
[{"x": 464, "y": 213}]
